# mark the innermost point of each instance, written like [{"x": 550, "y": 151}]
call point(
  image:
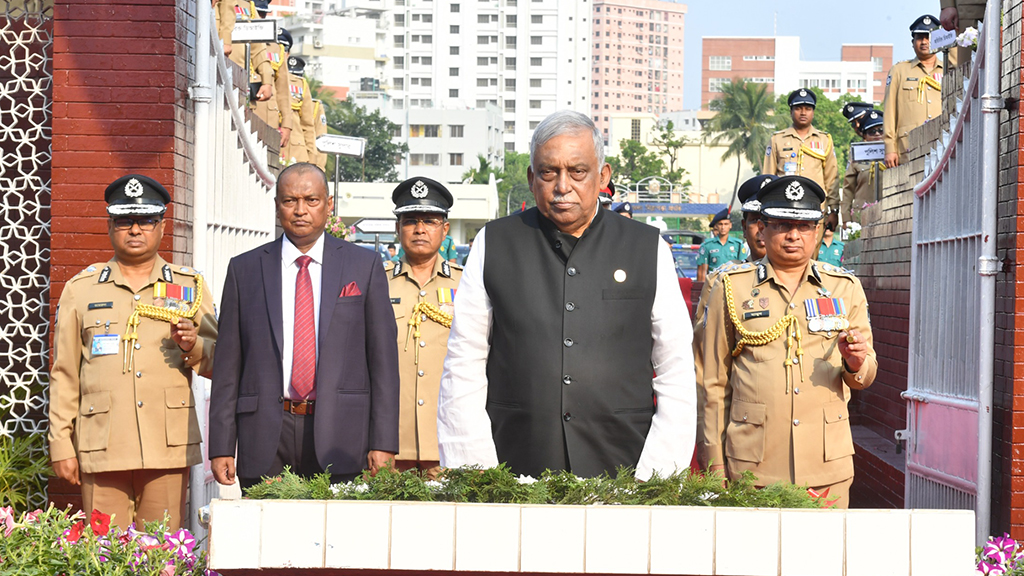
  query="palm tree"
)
[
  {"x": 743, "y": 123},
  {"x": 480, "y": 174}
]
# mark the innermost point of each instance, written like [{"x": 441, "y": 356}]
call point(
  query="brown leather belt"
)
[{"x": 304, "y": 408}]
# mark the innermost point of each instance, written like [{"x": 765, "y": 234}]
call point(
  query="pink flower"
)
[
  {"x": 32, "y": 517},
  {"x": 182, "y": 542},
  {"x": 7, "y": 520}
]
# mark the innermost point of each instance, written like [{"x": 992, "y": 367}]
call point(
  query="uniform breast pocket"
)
[
  {"x": 838, "y": 439},
  {"x": 908, "y": 91},
  {"x": 98, "y": 322},
  {"x": 93, "y": 430},
  {"x": 181, "y": 421},
  {"x": 745, "y": 436}
]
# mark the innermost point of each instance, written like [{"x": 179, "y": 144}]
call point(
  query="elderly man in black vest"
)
[{"x": 570, "y": 348}]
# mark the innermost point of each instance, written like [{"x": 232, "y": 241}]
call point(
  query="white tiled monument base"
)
[{"x": 251, "y": 534}]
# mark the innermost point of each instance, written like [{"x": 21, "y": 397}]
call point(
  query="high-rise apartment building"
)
[
  {"x": 638, "y": 58},
  {"x": 775, "y": 61}
]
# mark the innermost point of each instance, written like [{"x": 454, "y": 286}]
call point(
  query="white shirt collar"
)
[{"x": 289, "y": 253}]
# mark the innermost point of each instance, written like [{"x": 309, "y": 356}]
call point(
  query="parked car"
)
[{"x": 685, "y": 256}]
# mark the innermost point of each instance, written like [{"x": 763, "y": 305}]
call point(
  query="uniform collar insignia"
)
[
  {"x": 814, "y": 272},
  {"x": 104, "y": 275},
  {"x": 446, "y": 269},
  {"x": 166, "y": 273},
  {"x": 762, "y": 272},
  {"x": 397, "y": 270}
]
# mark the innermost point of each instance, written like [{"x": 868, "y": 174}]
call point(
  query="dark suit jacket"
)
[{"x": 357, "y": 365}]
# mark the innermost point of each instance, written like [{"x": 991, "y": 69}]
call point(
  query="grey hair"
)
[{"x": 566, "y": 122}]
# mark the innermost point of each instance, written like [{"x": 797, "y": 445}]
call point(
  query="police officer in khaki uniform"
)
[
  {"x": 422, "y": 286},
  {"x": 861, "y": 178},
  {"x": 913, "y": 92},
  {"x": 785, "y": 340},
  {"x": 319, "y": 129},
  {"x": 854, "y": 112},
  {"x": 802, "y": 149},
  {"x": 129, "y": 334},
  {"x": 275, "y": 111},
  {"x": 224, "y": 15},
  {"x": 755, "y": 249},
  {"x": 302, "y": 146},
  {"x": 261, "y": 74}
]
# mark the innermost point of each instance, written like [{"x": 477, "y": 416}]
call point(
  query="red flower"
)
[
  {"x": 75, "y": 532},
  {"x": 100, "y": 523}
]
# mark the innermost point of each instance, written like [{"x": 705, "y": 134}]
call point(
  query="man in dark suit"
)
[{"x": 307, "y": 370}]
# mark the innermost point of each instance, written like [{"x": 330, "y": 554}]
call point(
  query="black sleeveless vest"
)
[{"x": 569, "y": 369}]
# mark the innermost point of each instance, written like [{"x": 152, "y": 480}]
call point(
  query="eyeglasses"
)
[
  {"x": 431, "y": 223},
  {"x": 786, "y": 226},
  {"x": 145, "y": 224},
  {"x": 874, "y": 132}
]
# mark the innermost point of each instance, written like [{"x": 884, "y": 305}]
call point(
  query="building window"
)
[
  {"x": 396, "y": 131},
  {"x": 758, "y": 58},
  {"x": 424, "y": 131},
  {"x": 398, "y": 104},
  {"x": 536, "y": 40},
  {"x": 453, "y": 93},
  {"x": 537, "y": 19},
  {"x": 400, "y": 41},
  {"x": 453, "y": 71},
  {"x": 481, "y": 82},
  {"x": 861, "y": 85},
  {"x": 510, "y": 84},
  {"x": 399, "y": 62},
  {"x": 510, "y": 63},
  {"x": 455, "y": 7},
  {"x": 424, "y": 159},
  {"x": 536, "y": 61},
  {"x": 453, "y": 29},
  {"x": 534, "y": 124},
  {"x": 399, "y": 83},
  {"x": 715, "y": 84},
  {"x": 453, "y": 50},
  {"x": 456, "y": 130},
  {"x": 510, "y": 42},
  {"x": 510, "y": 105},
  {"x": 534, "y": 104},
  {"x": 535, "y": 83},
  {"x": 876, "y": 64},
  {"x": 399, "y": 19},
  {"x": 510, "y": 126},
  {"x": 481, "y": 61},
  {"x": 428, "y": 18},
  {"x": 483, "y": 19},
  {"x": 511, "y": 146},
  {"x": 720, "y": 63},
  {"x": 511, "y": 21},
  {"x": 455, "y": 159},
  {"x": 427, "y": 39},
  {"x": 634, "y": 129},
  {"x": 426, "y": 81},
  {"x": 483, "y": 40}
]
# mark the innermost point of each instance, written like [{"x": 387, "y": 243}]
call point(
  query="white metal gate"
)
[
  {"x": 233, "y": 201},
  {"x": 952, "y": 303}
]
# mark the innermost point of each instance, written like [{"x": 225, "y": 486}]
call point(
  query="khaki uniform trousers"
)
[{"x": 137, "y": 496}]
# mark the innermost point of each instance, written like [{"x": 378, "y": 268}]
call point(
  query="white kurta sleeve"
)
[
  {"x": 463, "y": 426},
  {"x": 669, "y": 445}
]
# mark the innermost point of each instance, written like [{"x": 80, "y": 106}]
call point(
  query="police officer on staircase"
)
[{"x": 913, "y": 91}]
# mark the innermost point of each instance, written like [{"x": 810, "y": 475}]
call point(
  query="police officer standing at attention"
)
[
  {"x": 913, "y": 91},
  {"x": 785, "y": 340},
  {"x": 302, "y": 147},
  {"x": 275, "y": 111},
  {"x": 422, "y": 286},
  {"x": 720, "y": 248},
  {"x": 861, "y": 178},
  {"x": 319, "y": 129},
  {"x": 802, "y": 149},
  {"x": 128, "y": 336}
]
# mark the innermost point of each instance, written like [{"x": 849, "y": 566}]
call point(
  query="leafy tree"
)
[
  {"x": 671, "y": 146},
  {"x": 743, "y": 123},
  {"x": 635, "y": 162},
  {"x": 828, "y": 117},
  {"x": 347, "y": 118},
  {"x": 482, "y": 173},
  {"x": 513, "y": 188}
]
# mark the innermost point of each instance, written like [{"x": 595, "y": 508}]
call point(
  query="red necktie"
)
[{"x": 304, "y": 341}]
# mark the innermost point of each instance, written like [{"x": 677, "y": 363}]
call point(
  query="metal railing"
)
[
  {"x": 952, "y": 301},
  {"x": 233, "y": 209}
]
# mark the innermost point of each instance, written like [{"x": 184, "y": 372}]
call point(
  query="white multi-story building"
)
[{"x": 445, "y": 143}]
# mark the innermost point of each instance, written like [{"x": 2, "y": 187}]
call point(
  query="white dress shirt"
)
[
  {"x": 463, "y": 426},
  {"x": 289, "y": 272}
]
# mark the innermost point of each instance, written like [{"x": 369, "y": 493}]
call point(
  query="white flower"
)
[
  {"x": 526, "y": 479},
  {"x": 360, "y": 488},
  {"x": 969, "y": 38},
  {"x": 336, "y": 489},
  {"x": 708, "y": 496},
  {"x": 433, "y": 484}
]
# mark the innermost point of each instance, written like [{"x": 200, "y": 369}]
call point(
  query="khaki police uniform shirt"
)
[
  {"x": 420, "y": 383},
  {"x": 276, "y": 112},
  {"x": 319, "y": 129},
  {"x": 302, "y": 146},
  {"x": 755, "y": 418},
  {"x": 109, "y": 419},
  {"x": 910, "y": 101},
  {"x": 859, "y": 187},
  {"x": 260, "y": 70},
  {"x": 224, "y": 14},
  {"x": 812, "y": 157}
]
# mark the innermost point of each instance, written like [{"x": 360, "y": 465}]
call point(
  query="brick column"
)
[{"x": 120, "y": 78}]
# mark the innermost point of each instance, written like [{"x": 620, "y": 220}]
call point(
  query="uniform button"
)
[
  {"x": 566, "y": 379},
  {"x": 91, "y": 408},
  {"x": 796, "y": 360},
  {"x": 558, "y": 245},
  {"x": 423, "y": 317},
  {"x": 182, "y": 402},
  {"x": 138, "y": 374},
  {"x": 138, "y": 346},
  {"x": 571, "y": 271},
  {"x": 566, "y": 416},
  {"x": 796, "y": 390},
  {"x": 796, "y": 422},
  {"x": 420, "y": 402},
  {"x": 792, "y": 304},
  {"x": 744, "y": 417},
  {"x": 423, "y": 292},
  {"x": 137, "y": 296},
  {"x": 420, "y": 373},
  {"x": 570, "y": 306},
  {"x": 859, "y": 378},
  {"x": 98, "y": 322},
  {"x": 422, "y": 343},
  {"x": 567, "y": 342},
  {"x": 140, "y": 403}
]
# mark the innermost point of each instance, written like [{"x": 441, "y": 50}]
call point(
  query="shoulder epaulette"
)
[
  {"x": 457, "y": 266},
  {"x": 832, "y": 270},
  {"x": 734, "y": 268},
  {"x": 90, "y": 270},
  {"x": 388, "y": 266},
  {"x": 780, "y": 131},
  {"x": 185, "y": 270}
]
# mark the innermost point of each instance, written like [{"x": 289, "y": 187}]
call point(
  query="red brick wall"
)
[
  {"x": 736, "y": 48},
  {"x": 864, "y": 53},
  {"x": 120, "y": 79}
]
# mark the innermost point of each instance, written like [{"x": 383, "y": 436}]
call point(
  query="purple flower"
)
[
  {"x": 989, "y": 569},
  {"x": 182, "y": 542}
]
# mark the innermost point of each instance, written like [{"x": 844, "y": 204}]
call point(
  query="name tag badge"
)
[
  {"x": 100, "y": 305},
  {"x": 106, "y": 344},
  {"x": 789, "y": 168},
  {"x": 758, "y": 314}
]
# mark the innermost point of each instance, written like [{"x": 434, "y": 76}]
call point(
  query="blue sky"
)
[{"x": 823, "y": 27}]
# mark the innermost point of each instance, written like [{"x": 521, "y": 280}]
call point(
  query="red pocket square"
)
[{"x": 350, "y": 290}]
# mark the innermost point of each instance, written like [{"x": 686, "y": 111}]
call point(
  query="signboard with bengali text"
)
[
  {"x": 247, "y": 31},
  {"x": 867, "y": 151}
]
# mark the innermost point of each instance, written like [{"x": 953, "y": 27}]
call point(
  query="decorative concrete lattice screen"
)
[{"x": 26, "y": 79}]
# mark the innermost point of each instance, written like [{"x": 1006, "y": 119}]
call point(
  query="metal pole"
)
[
  {"x": 988, "y": 264},
  {"x": 248, "y": 72},
  {"x": 337, "y": 176}
]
